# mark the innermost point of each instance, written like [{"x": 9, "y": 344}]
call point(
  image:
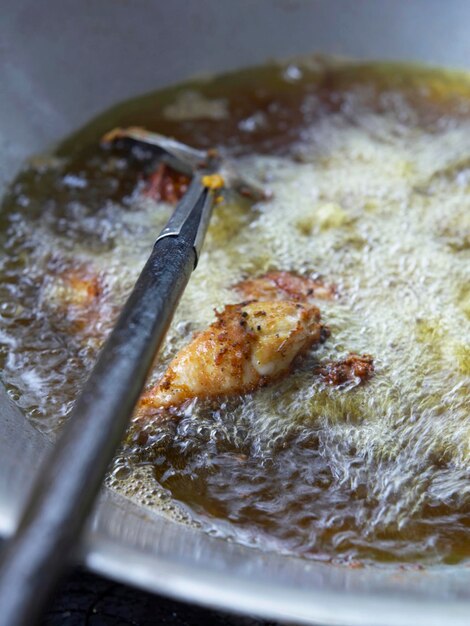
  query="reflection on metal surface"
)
[
  {"x": 148, "y": 550},
  {"x": 123, "y": 541},
  {"x": 158, "y": 554},
  {"x": 19, "y": 442}
]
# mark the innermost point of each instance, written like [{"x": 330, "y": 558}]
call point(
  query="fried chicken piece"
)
[
  {"x": 166, "y": 184},
  {"x": 284, "y": 286},
  {"x": 78, "y": 288},
  {"x": 354, "y": 368},
  {"x": 249, "y": 346},
  {"x": 76, "y": 292}
]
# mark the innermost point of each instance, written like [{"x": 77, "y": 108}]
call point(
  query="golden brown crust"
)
[
  {"x": 248, "y": 346},
  {"x": 354, "y": 368},
  {"x": 77, "y": 291},
  {"x": 285, "y": 286},
  {"x": 166, "y": 185}
]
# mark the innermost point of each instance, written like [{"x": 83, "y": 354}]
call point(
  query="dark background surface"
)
[{"x": 88, "y": 600}]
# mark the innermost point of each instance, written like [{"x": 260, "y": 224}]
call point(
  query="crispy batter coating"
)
[
  {"x": 247, "y": 347},
  {"x": 354, "y": 368},
  {"x": 284, "y": 286}
]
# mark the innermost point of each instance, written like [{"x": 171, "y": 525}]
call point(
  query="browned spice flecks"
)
[
  {"x": 166, "y": 184},
  {"x": 285, "y": 286},
  {"x": 354, "y": 368},
  {"x": 249, "y": 346}
]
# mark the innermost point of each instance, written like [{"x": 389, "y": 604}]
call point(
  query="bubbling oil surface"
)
[{"x": 369, "y": 168}]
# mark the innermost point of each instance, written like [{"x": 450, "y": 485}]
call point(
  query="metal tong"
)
[{"x": 70, "y": 478}]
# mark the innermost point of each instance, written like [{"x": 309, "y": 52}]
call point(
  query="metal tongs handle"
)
[{"x": 71, "y": 476}]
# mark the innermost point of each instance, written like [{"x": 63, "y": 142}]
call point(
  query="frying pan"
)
[{"x": 64, "y": 61}]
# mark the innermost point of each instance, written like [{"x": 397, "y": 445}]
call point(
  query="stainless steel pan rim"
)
[
  {"x": 63, "y": 62},
  {"x": 233, "y": 593},
  {"x": 191, "y": 566},
  {"x": 140, "y": 547}
]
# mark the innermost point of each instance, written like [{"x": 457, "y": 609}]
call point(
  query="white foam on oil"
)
[
  {"x": 370, "y": 210},
  {"x": 378, "y": 206}
]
